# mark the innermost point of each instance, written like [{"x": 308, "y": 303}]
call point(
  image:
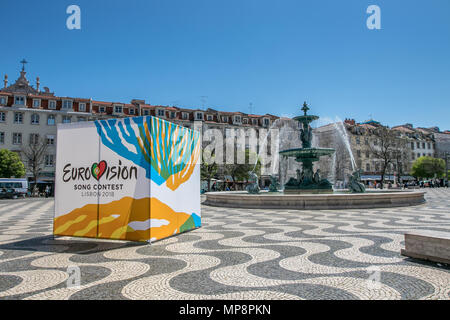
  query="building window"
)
[
  {"x": 418, "y": 145},
  {"x": 185, "y": 115},
  {"x": 36, "y": 103},
  {"x": 51, "y": 120},
  {"x": 413, "y": 155},
  {"x": 160, "y": 113},
  {"x": 237, "y": 119},
  {"x": 101, "y": 109},
  {"x": 2, "y": 116},
  {"x": 199, "y": 116},
  {"x": 52, "y": 104},
  {"x": 366, "y": 141},
  {"x": 225, "y": 119},
  {"x": 358, "y": 153},
  {"x": 50, "y": 140},
  {"x": 254, "y": 122},
  {"x": 131, "y": 111},
  {"x": 81, "y": 119},
  {"x": 18, "y": 117},
  {"x": 173, "y": 114},
  {"x": 266, "y": 122},
  {"x": 34, "y": 118},
  {"x": 66, "y": 119},
  {"x": 428, "y": 145},
  {"x": 412, "y": 145},
  {"x": 358, "y": 141},
  {"x": 377, "y": 167},
  {"x": 2, "y": 137},
  {"x": 34, "y": 138},
  {"x": 2, "y": 100},
  {"x": 82, "y": 107},
  {"x": 423, "y": 145},
  {"x": 67, "y": 104},
  {"x": 367, "y": 167},
  {"x": 367, "y": 154},
  {"x": 118, "y": 109},
  {"x": 17, "y": 138},
  {"x": 146, "y": 112},
  {"x": 20, "y": 100},
  {"x": 49, "y": 160}
]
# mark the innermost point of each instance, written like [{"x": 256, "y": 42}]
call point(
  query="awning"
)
[{"x": 376, "y": 177}]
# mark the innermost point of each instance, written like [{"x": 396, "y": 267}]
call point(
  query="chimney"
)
[
  {"x": 37, "y": 83},
  {"x": 350, "y": 121},
  {"x": 6, "y": 81}
]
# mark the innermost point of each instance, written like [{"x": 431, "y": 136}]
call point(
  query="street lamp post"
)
[{"x": 447, "y": 157}]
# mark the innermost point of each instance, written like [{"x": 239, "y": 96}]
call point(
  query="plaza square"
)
[{"x": 236, "y": 254}]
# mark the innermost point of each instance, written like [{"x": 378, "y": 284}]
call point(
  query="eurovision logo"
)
[{"x": 98, "y": 170}]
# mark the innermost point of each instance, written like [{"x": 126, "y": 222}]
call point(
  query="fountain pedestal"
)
[{"x": 307, "y": 181}]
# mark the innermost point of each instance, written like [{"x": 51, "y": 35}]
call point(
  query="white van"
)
[{"x": 20, "y": 185}]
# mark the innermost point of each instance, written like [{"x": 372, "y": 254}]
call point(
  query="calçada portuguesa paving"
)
[{"x": 237, "y": 254}]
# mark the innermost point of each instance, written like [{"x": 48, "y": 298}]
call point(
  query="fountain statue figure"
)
[
  {"x": 307, "y": 180},
  {"x": 274, "y": 185},
  {"x": 355, "y": 185},
  {"x": 253, "y": 186}
]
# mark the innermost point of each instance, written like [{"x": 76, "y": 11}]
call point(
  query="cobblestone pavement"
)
[{"x": 237, "y": 254}]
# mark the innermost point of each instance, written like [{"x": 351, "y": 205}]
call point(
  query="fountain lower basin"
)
[{"x": 337, "y": 200}]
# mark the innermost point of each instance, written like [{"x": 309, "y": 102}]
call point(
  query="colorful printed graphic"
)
[
  {"x": 172, "y": 151},
  {"x": 129, "y": 179}
]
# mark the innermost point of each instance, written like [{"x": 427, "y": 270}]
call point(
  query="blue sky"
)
[{"x": 273, "y": 54}]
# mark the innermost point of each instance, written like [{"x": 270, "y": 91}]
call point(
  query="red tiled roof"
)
[
  {"x": 403, "y": 129},
  {"x": 102, "y": 103}
]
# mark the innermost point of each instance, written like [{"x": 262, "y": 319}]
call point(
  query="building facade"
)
[
  {"x": 407, "y": 144},
  {"x": 28, "y": 113}
]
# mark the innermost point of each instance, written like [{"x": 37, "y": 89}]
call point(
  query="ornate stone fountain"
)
[
  {"x": 307, "y": 181},
  {"x": 308, "y": 191}
]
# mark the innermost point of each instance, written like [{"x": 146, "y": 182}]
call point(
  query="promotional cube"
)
[{"x": 127, "y": 179}]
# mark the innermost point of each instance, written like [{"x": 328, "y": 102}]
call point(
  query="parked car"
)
[{"x": 9, "y": 194}]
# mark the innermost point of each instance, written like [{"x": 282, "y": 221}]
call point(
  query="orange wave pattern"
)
[{"x": 115, "y": 218}]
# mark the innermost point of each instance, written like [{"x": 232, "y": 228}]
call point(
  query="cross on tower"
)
[
  {"x": 305, "y": 107},
  {"x": 23, "y": 62}
]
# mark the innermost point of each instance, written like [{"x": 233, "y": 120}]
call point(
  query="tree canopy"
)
[
  {"x": 240, "y": 172},
  {"x": 208, "y": 169},
  {"x": 11, "y": 165},
  {"x": 428, "y": 167}
]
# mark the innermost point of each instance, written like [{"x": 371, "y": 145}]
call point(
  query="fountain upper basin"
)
[
  {"x": 277, "y": 200},
  {"x": 305, "y": 153}
]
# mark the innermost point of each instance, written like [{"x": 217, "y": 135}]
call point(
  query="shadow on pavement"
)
[{"x": 68, "y": 245}]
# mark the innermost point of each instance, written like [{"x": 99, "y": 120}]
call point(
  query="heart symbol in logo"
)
[{"x": 98, "y": 169}]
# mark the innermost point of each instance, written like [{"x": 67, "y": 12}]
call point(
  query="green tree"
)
[
  {"x": 428, "y": 167},
  {"x": 208, "y": 168},
  {"x": 11, "y": 165},
  {"x": 240, "y": 171}
]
